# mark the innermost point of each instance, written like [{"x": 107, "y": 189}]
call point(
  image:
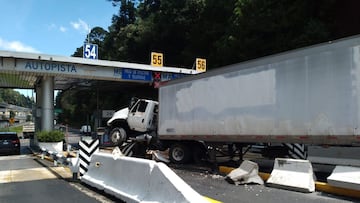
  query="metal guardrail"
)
[{"x": 55, "y": 156}]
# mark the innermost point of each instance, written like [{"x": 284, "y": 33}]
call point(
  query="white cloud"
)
[
  {"x": 62, "y": 29},
  {"x": 16, "y": 46},
  {"x": 81, "y": 26}
]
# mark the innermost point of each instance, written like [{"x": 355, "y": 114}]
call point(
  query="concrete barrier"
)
[
  {"x": 74, "y": 164},
  {"x": 137, "y": 180},
  {"x": 246, "y": 173},
  {"x": 292, "y": 174},
  {"x": 334, "y": 155},
  {"x": 345, "y": 177}
]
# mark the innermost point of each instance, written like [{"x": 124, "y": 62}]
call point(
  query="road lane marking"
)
[
  {"x": 24, "y": 175},
  {"x": 14, "y": 157},
  {"x": 211, "y": 200}
]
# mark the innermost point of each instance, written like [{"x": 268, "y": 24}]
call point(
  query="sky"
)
[{"x": 55, "y": 27}]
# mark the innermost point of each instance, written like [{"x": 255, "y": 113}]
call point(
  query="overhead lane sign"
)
[
  {"x": 90, "y": 51},
  {"x": 73, "y": 67},
  {"x": 201, "y": 65},
  {"x": 157, "y": 59},
  {"x": 50, "y": 66},
  {"x": 144, "y": 75},
  {"x": 132, "y": 74}
]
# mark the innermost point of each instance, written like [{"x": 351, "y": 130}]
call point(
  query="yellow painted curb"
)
[
  {"x": 319, "y": 186},
  {"x": 264, "y": 176},
  {"x": 211, "y": 200},
  {"x": 225, "y": 169},
  {"x": 324, "y": 187}
]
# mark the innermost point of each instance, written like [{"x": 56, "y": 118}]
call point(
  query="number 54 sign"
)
[{"x": 90, "y": 51}]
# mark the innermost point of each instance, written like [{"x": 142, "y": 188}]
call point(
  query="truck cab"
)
[
  {"x": 140, "y": 117},
  {"x": 143, "y": 115}
]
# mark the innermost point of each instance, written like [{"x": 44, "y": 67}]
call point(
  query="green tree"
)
[
  {"x": 223, "y": 32},
  {"x": 13, "y": 97},
  {"x": 96, "y": 36},
  {"x": 264, "y": 27}
]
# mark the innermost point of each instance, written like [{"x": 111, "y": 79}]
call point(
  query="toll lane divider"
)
[
  {"x": 55, "y": 156},
  {"x": 87, "y": 148},
  {"x": 345, "y": 177},
  {"x": 137, "y": 180},
  {"x": 319, "y": 186},
  {"x": 292, "y": 174}
]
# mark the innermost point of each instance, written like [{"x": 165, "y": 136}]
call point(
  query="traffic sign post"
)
[
  {"x": 157, "y": 59},
  {"x": 90, "y": 51},
  {"x": 201, "y": 65}
]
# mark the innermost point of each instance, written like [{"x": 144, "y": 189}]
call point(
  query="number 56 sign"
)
[
  {"x": 90, "y": 51},
  {"x": 201, "y": 65}
]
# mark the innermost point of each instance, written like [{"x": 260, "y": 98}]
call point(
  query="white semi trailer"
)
[{"x": 308, "y": 96}]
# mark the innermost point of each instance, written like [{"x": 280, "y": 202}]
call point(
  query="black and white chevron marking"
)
[
  {"x": 87, "y": 148},
  {"x": 296, "y": 151}
]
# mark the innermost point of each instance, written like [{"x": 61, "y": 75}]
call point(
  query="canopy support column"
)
[{"x": 47, "y": 103}]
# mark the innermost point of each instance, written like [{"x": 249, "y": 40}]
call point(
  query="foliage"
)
[
  {"x": 12, "y": 114},
  {"x": 79, "y": 104},
  {"x": 96, "y": 36},
  {"x": 17, "y": 129},
  {"x": 13, "y": 97},
  {"x": 28, "y": 118},
  {"x": 50, "y": 136},
  {"x": 223, "y": 32}
]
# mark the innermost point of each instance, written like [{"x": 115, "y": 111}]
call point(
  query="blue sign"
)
[
  {"x": 131, "y": 74},
  {"x": 90, "y": 51},
  {"x": 170, "y": 76}
]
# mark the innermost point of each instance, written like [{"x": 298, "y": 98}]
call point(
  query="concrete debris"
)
[
  {"x": 162, "y": 156},
  {"x": 246, "y": 173},
  {"x": 117, "y": 153}
]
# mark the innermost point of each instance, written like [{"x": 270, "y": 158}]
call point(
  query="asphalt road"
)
[
  {"x": 215, "y": 187},
  {"x": 26, "y": 178}
]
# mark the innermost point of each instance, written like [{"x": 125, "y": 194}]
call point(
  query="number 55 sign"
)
[
  {"x": 157, "y": 59},
  {"x": 90, "y": 51}
]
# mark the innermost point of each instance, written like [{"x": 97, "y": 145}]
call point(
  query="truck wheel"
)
[
  {"x": 118, "y": 136},
  {"x": 179, "y": 154}
]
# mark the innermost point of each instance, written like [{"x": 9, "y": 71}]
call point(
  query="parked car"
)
[
  {"x": 60, "y": 127},
  {"x": 9, "y": 143},
  {"x": 85, "y": 130}
]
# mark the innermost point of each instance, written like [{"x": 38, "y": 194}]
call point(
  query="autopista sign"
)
[{"x": 50, "y": 66}]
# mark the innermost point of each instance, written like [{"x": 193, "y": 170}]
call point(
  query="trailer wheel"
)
[
  {"x": 179, "y": 154},
  {"x": 118, "y": 136}
]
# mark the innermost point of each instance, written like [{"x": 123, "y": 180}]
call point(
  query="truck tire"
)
[
  {"x": 118, "y": 136},
  {"x": 179, "y": 153}
]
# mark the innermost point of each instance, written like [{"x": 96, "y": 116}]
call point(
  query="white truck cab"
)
[
  {"x": 140, "y": 117},
  {"x": 143, "y": 115}
]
